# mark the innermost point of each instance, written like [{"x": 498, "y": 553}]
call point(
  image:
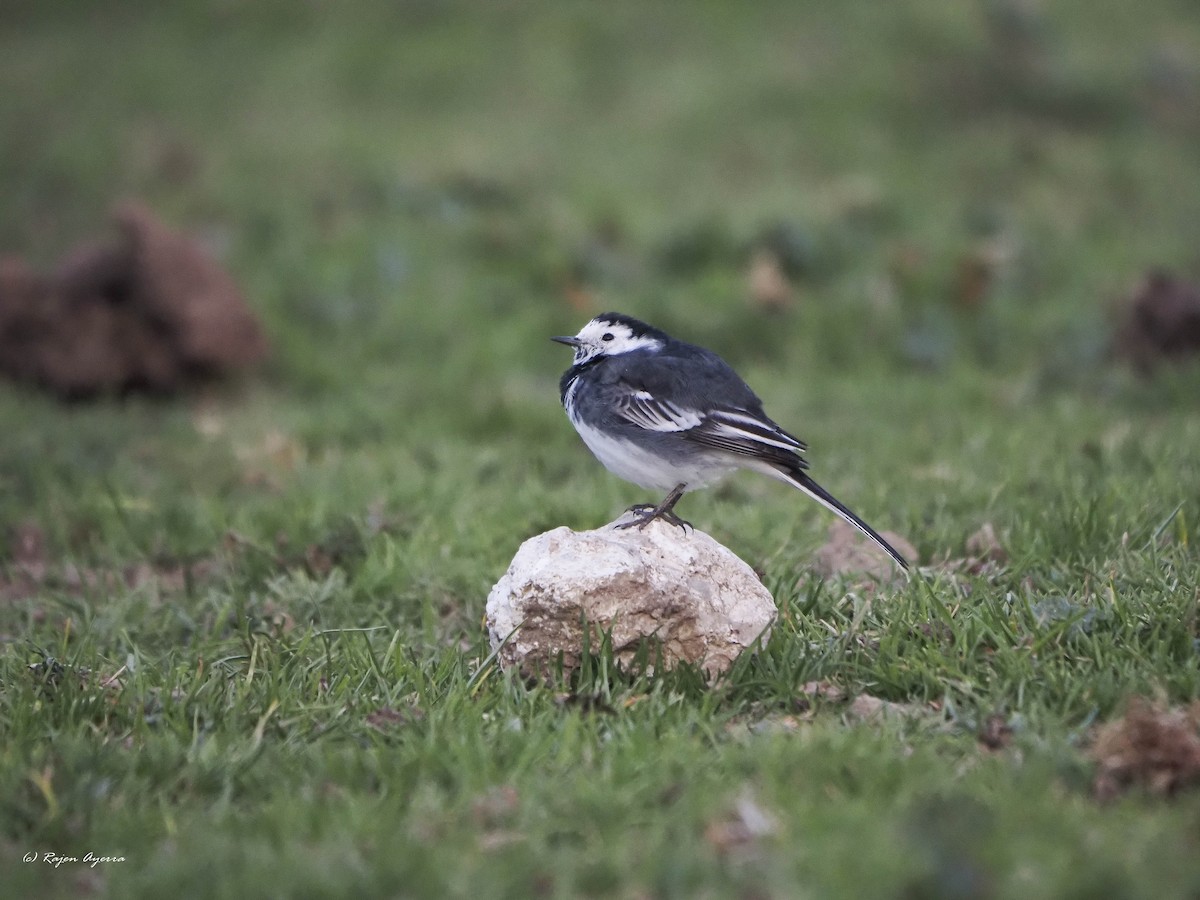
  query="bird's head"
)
[{"x": 612, "y": 334}]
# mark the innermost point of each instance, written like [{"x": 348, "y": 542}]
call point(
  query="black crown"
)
[{"x": 636, "y": 327}]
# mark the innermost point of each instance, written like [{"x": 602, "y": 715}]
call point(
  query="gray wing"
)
[
  {"x": 661, "y": 398},
  {"x": 643, "y": 409},
  {"x": 743, "y": 432}
]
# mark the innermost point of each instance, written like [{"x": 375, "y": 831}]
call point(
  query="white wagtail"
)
[{"x": 671, "y": 416}]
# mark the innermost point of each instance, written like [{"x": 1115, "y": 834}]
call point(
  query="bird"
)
[{"x": 671, "y": 416}]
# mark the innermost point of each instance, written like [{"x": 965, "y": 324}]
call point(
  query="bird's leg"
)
[{"x": 645, "y": 513}]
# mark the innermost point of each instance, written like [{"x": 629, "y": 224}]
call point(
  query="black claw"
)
[
  {"x": 645, "y": 513},
  {"x": 673, "y": 519},
  {"x": 643, "y": 517}
]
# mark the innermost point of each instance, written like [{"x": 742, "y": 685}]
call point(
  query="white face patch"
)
[{"x": 601, "y": 338}]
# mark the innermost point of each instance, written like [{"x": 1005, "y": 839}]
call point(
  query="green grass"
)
[{"x": 257, "y": 641}]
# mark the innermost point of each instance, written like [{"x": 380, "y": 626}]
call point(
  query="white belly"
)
[{"x": 629, "y": 461}]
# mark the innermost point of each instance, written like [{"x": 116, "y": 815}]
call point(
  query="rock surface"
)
[{"x": 691, "y": 597}]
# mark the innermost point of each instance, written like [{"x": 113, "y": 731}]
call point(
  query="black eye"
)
[{"x": 607, "y": 337}]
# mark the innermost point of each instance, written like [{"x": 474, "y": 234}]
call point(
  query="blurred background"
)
[{"x": 888, "y": 217}]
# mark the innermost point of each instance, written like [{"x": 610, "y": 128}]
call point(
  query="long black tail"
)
[{"x": 826, "y": 499}]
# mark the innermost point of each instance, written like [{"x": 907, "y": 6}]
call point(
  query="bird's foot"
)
[{"x": 645, "y": 513}]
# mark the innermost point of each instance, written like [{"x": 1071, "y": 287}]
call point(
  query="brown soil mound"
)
[
  {"x": 1155, "y": 749},
  {"x": 1160, "y": 321},
  {"x": 150, "y": 311}
]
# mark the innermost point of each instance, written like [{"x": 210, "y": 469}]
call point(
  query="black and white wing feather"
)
[
  {"x": 643, "y": 409},
  {"x": 749, "y": 433},
  {"x": 743, "y": 432}
]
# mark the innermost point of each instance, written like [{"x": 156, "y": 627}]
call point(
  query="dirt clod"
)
[
  {"x": 768, "y": 286},
  {"x": 149, "y": 311},
  {"x": 985, "y": 546},
  {"x": 1160, "y": 321},
  {"x": 741, "y": 829},
  {"x": 1151, "y": 748},
  {"x": 995, "y": 733},
  {"x": 869, "y": 708},
  {"x": 846, "y": 552}
]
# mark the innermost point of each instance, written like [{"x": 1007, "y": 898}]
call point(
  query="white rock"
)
[{"x": 693, "y": 597}]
